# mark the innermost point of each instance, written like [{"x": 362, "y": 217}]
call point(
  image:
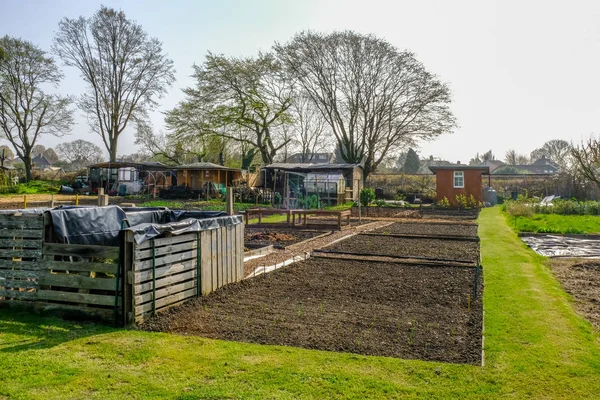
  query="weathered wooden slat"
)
[
  {"x": 168, "y": 291},
  {"x": 20, "y": 274},
  {"x": 168, "y": 259},
  {"x": 27, "y": 253},
  {"x": 206, "y": 271},
  {"x": 83, "y": 298},
  {"x": 165, "y": 301},
  {"x": 21, "y": 233},
  {"x": 81, "y": 250},
  {"x": 214, "y": 253},
  {"x": 18, "y": 283},
  {"x": 80, "y": 266},
  {"x": 46, "y": 265},
  {"x": 27, "y": 243},
  {"x": 165, "y": 281},
  {"x": 106, "y": 314},
  {"x": 17, "y": 294},
  {"x": 20, "y": 222},
  {"x": 167, "y": 241},
  {"x": 169, "y": 249},
  {"x": 76, "y": 281},
  {"x": 170, "y": 269}
]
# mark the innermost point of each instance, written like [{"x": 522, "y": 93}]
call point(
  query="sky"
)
[{"x": 521, "y": 72}]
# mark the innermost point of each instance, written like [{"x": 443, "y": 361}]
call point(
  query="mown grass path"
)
[{"x": 536, "y": 347}]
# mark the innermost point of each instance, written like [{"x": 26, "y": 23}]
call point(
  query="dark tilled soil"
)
[
  {"x": 581, "y": 278},
  {"x": 415, "y": 247},
  {"x": 279, "y": 237},
  {"x": 369, "y": 308},
  {"x": 430, "y": 229}
]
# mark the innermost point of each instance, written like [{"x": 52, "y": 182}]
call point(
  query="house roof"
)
[
  {"x": 493, "y": 164},
  {"x": 40, "y": 159},
  {"x": 205, "y": 166},
  {"x": 542, "y": 169},
  {"x": 425, "y": 164},
  {"x": 310, "y": 166},
  {"x": 461, "y": 167},
  {"x": 126, "y": 164}
]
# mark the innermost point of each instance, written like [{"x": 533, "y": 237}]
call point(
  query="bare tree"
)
[
  {"x": 50, "y": 155},
  {"x": 557, "y": 151},
  {"x": 513, "y": 158},
  {"x": 165, "y": 147},
  {"x": 124, "y": 69},
  {"x": 26, "y": 111},
  {"x": 309, "y": 127},
  {"x": 37, "y": 150},
  {"x": 586, "y": 159},
  {"x": 80, "y": 153},
  {"x": 233, "y": 95},
  {"x": 375, "y": 98}
]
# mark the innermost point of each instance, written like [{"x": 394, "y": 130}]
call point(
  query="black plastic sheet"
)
[
  {"x": 145, "y": 232},
  {"x": 101, "y": 225}
]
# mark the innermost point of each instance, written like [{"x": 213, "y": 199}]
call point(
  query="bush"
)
[
  {"x": 367, "y": 195},
  {"x": 443, "y": 203},
  {"x": 380, "y": 203},
  {"x": 461, "y": 201}
]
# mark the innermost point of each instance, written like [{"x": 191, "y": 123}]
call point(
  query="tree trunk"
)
[
  {"x": 27, "y": 162},
  {"x": 113, "y": 150}
]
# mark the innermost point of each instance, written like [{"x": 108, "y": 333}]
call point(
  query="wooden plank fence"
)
[
  {"x": 125, "y": 283},
  {"x": 47, "y": 276},
  {"x": 167, "y": 271}
]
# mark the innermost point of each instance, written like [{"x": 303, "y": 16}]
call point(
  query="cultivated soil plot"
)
[
  {"x": 369, "y": 308},
  {"x": 429, "y": 229},
  {"x": 279, "y": 237},
  {"x": 581, "y": 278},
  {"x": 456, "y": 250}
]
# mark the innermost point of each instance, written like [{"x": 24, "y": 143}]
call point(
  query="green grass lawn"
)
[
  {"x": 32, "y": 187},
  {"x": 554, "y": 223},
  {"x": 535, "y": 344}
]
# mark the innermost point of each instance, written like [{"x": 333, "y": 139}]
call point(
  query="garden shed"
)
[
  {"x": 196, "y": 175},
  {"x": 134, "y": 176},
  {"x": 334, "y": 183},
  {"x": 458, "y": 179}
]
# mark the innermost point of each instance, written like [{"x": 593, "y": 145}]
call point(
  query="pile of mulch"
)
[
  {"x": 370, "y": 308},
  {"x": 279, "y": 237}
]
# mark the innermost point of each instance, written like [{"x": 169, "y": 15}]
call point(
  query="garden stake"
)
[{"x": 469, "y": 302}]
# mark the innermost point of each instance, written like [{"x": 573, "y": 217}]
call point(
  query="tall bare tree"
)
[
  {"x": 125, "y": 70},
  {"x": 375, "y": 98},
  {"x": 309, "y": 128},
  {"x": 27, "y": 112},
  {"x": 80, "y": 153},
  {"x": 166, "y": 148},
  {"x": 586, "y": 157},
  {"x": 232, "y": 95}
]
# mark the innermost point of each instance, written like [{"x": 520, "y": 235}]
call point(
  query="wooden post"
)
[
  {"x": 76, "y": 199},
  {"x": 104, "y": 200},
  {"x": 24, "y": 201},
  {"x": 229, "y": 203},
  {"x": 127, "y": 276},
  {"x": 100, "y": 194}
]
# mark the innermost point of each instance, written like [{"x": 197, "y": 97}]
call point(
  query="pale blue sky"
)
[{"x": 521, "y": 72}]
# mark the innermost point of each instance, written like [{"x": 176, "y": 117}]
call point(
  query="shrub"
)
[
  {"x": 380, "y": 203},
  {"x": 367, "y": 195},
  {"x": 519, "y": 209},
  {"x": 461, "y": 201},
  {"x": 443, "y": 203}
]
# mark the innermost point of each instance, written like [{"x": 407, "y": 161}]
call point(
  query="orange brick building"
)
[{"x": 453, "y": 180}]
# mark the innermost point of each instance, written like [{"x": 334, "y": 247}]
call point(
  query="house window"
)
[{"x": 459, "y": 179}]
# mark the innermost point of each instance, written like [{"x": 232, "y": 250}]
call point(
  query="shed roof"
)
[
  {"x": 307, "y": 167},
  {"x": 127, "y": 164},
  {"x": 461, "y": 167},
  {"x": 205, "y": 166}
]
